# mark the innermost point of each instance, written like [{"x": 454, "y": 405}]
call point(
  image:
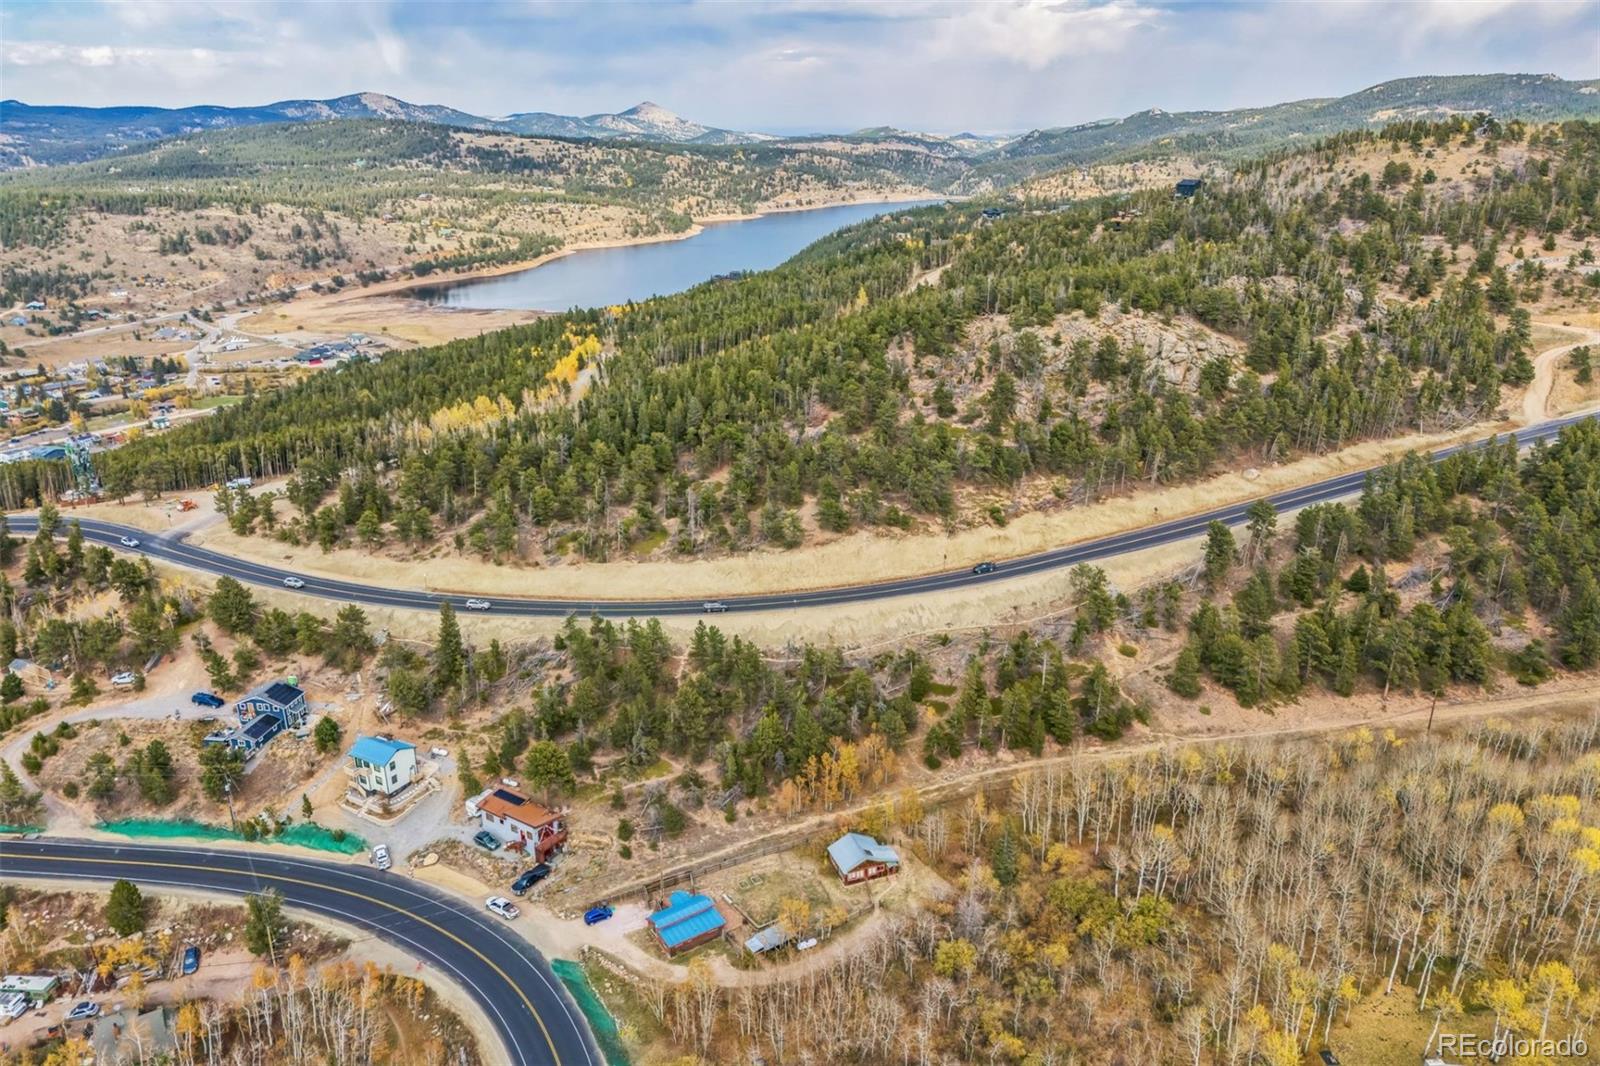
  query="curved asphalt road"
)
[
  {"x": 523, "y": 1000},
  {"x": 176, "y": 550}
]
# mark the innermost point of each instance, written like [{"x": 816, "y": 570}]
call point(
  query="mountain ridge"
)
[{"x": 37, "y": 135}]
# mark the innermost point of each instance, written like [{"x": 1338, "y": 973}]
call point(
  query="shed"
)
[
  {"x": 858, "y": 857},
  {"x": 768, "y": 939},
  {"x": 687, "y": 921}
]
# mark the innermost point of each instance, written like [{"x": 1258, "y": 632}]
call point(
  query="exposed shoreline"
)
[{"x": 405, "y": 286}]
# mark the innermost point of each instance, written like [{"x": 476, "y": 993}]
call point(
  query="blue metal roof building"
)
[
  {"x": 378, "y": 750},
  {"x": 687, "y": 921}
]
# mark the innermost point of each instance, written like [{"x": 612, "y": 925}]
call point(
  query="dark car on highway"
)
[
  {"x": 520, "y": 886},
  {"x": 984, "y": 568},
  {"x": 207, "y": 699}
]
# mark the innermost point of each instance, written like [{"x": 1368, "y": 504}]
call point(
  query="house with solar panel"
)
[
  {"x": 264, "y": 712},
  {"x": 514, "y": 819},
  {"x": 859, "y": 858},
  {"x": 687, "y": 921}
]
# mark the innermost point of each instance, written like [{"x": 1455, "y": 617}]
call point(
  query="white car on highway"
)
[
  {"x": 129, "y": 542},
  {"x": 502, "y": 906},
  {"x": 478, "y": 605},
  {"x": 294, "y": 583},
  {"x": 380, "y": 857}
]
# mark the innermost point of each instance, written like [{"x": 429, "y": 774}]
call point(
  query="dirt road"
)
[{"x": 1536, "y": 401}]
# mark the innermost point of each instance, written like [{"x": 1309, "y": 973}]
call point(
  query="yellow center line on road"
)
[{"x": 554, "y": 1054}]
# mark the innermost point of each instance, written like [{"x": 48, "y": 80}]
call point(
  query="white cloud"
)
[{"x": 808, "y": 65}]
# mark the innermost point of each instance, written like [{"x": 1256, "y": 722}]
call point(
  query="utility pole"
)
[
  {"x": 1431, "y": 707},
  {"x": 227, "y": 791}
]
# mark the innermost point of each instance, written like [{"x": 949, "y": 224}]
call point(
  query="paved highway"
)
[
  {"x": 532, "y": 1016},
  {"x": 175, "y": 550}
]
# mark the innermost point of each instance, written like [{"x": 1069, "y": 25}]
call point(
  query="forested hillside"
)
[
  {"x": 1232, "y": 904},
  {"x": 898, "y": 372},
  {"x": 247, "y": 212}
]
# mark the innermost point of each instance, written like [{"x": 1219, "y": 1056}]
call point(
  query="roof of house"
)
[
  {"x": 853, "y": 849},
  {"x": 28, "y": 982},
  {"x": 1189, "y": 183},
  {"x": 277, "y": 693},
  {"x": 509, "y": 803},
  {"x": 685, "y": 918},
  {"x": 378, "y": 750},
  {"x": 154, "y": 1032},
  {"x": 261, "y": 728},
  {"x": 769, "y": 938},
  {"x": 282, "y": 693}
]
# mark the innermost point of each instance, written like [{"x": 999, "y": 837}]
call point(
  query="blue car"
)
[
  {"x": 191, "y": 960},
  {"x": 596, "y": 915},
  {"x": 207, "y": 699}
]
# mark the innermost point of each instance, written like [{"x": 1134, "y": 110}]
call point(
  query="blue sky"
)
[{"x": 790, "y": 67}]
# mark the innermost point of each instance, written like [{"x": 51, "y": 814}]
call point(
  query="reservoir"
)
[{"x": 601, "y": 276}]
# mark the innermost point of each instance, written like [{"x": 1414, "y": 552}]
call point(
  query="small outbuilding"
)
[
  {"x": 1188, "y": 187},
  {"x": 687, "y": 921},
  {"x": 859, "y": 857},
  {"x": 769, "y": 939}
]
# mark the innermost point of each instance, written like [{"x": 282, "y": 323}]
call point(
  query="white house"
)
[{"x": 382, "y": 766}]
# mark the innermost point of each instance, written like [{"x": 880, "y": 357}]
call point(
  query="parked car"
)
[
  {"x": 191, "y": 960},
  {"x": 984, "y": 568},
  {"x": 713, "y": 607},
  {"x": 486, "y": 839},
  {"x": 439, "y": 753},
  {"x": 530, "y": 878},
  {"x": 129, "y": 542},
  {"x": 207, "y": 699},
  {"x": 380, "y": 857},
  {"x": 86, "y": 1009},
  {"x": 123, "y": 678},
  {"x": 478, "y": 605},
  {"x": 1328, "y": 1058},
  {"x": 293, "y": 582},
  {"x": 596, "y": 915},
  {"x": 502, "y": 906}
]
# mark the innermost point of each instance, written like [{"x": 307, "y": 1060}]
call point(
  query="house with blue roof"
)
[
  {"x": 383, "y": 767},
  {"x": 859, "y": 857},
  {"x": 687, "y": 921}
]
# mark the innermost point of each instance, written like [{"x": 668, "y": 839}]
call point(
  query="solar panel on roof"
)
[{"x": 510, "y": 797}]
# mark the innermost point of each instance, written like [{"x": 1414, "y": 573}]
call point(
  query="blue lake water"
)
[{"x": 603, "y": 276}]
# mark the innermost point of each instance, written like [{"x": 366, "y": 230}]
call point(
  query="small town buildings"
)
[
  {"x": 131, "y": 1036},
  {"x": 858, "y": 857},
  {"x": 513, "y": 818},
  {"x": 382, "y": 767},
  {"x": 1187, "y": 187},
  {"x": 686, "y": 922},
  {"x": 38, "y": 987}
]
